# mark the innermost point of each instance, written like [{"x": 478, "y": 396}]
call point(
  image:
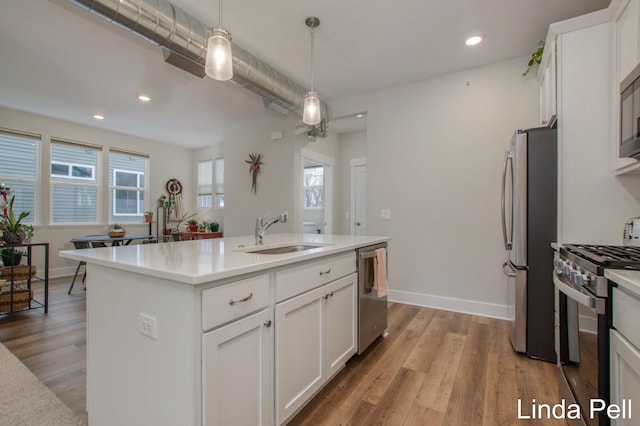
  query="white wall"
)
[
  {"x": 435, "y": 150},
  {"x": 166, "y": 162},
  {"x": 279, "y": 183}
]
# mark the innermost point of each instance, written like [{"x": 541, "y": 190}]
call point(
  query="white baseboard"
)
[{"x": 450, "y": 304}]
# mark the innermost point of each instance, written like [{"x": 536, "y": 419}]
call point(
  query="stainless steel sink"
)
[{"x": 282, "y": 250}]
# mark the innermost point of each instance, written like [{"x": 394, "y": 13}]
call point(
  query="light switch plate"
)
[{"x": 385, "y": 214}]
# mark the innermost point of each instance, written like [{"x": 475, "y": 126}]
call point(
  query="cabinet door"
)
[
  {"x": 237, "y": 374},
  {"x": 299, "y": 351},
  {"x": 625, "y": 376},
  {"x": 340, "y": 310}
]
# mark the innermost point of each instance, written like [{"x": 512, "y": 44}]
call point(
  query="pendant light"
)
[
  {"x": 311, "y": 113},
  {"x": 219, "y": 63}
]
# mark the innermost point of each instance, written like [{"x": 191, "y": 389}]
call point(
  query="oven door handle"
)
[{"x": 595, "y": 304}]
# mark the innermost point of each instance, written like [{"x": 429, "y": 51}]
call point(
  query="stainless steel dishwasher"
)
[{"x": 372, "y": 309}]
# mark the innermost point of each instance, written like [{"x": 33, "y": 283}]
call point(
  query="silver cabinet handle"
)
[
  {"x": 233, "y": 301},
  {"x": 267, "y": 323},
  {"x": 328, "y": 271}
]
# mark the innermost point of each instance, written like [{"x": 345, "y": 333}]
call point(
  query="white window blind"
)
[
  {"x": 74, "y": 182},
  {"x": 19, "y": 170}
]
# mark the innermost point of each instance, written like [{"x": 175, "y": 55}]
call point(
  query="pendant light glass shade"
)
[
  {"x": 219, "y": 62},
  {"x": 311, "y": 113}
]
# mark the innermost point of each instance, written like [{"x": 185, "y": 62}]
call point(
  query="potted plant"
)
[
  {"x": 148, "y": 216},
  {"x": 536, "y": 57},
  {"x": 13, "y": 232},
  {"x": 192, "y": 224},
  {"x": 11, "y": 257},
  {"x": 116, "y": 231},
  {"x": 161, "y": 200},
  {"x": 214, "y": 226}
]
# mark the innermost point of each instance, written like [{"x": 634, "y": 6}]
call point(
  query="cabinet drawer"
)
[
  {"x": 228, "y": 302},
  {"x": 296, "y": 280},
  {"x": 626, "y": 315}
]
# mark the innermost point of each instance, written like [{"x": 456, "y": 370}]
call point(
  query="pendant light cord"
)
[
  {"x": 311, "y": 58},
  {"x": 220, "y": 14}
]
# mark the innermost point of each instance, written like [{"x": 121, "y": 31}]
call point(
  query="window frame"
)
[
  {"x": 70, "y": 174},
  {"x": 139, "y": 189},
  {"x": 35, "y": 215},
  {"x": 75, "y": 181}
]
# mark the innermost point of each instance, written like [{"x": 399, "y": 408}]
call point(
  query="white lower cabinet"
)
[
  {"x": 237, "y": 385},
  {"x": 315, "y": 336},
  {"x": 625, "y": 375}
]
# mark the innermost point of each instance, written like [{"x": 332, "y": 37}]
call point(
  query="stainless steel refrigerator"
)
[{"x": 529, "y": 225}]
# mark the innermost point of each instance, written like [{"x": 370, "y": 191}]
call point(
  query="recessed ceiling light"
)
[
  {"x": 473, "y": 40},
  {"x": 144, "y": 98},
  {"x": 98, "y": 116}
]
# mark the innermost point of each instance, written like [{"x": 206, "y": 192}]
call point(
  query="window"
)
[
  {"x": 74, "y": 182},
  {"x": 73, "y": 171},
  {"x": 206, "y": 197},
  {"x": 205, "y": 184},
  {"x": 19, "y": 170},
  {"x": 127, "y": 182},
  {"x": 314, "y": 187}
]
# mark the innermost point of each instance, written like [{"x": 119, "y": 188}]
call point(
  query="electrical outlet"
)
[{"x": 148, "y": 326}]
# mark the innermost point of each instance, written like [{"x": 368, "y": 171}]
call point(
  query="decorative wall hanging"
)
[{"x": 255, "y": 160}]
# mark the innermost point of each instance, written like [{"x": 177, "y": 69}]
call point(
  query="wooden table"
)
[{"x": 188, "y": 235}]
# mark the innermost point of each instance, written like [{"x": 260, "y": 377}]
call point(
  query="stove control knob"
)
[
  {"x": 566, "y": 268},
  {"x": 581, "y": 279},
  {"x": 557, "y": 264},
  {"x": 573, "y": 274}
]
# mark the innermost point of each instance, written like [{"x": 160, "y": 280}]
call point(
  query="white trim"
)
[
  {"x": 353, "y": 163},
  {"x": 490, "y": 310}
]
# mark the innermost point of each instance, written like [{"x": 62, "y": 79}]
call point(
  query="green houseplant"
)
[
  {"x": 11, "y": 257},
  {"x": 536, "y": 57},
  {"x": 13, "y": 231},
  {"x": 192, "y": 224}
]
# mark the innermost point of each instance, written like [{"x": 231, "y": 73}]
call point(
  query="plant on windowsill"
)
[
  {"x": 116, "y": 231},
  {"x": 13, "y": 231}
]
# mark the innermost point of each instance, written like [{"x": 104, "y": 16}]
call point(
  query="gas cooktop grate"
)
[{"x": 607, "y": 256}]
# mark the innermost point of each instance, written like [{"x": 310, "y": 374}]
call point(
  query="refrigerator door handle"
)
[
  {"x": 510, "y": 272},
  {"x": 508, "y": 156}
]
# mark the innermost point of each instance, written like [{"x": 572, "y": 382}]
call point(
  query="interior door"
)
[{"x": 359, "y": 214}]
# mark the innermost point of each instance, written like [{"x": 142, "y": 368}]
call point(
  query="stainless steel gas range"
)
[{"x": 583, "y": 319}]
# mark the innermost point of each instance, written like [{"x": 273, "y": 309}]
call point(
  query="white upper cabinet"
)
[
  {"x": 547, "y": 80},
  {"x": 627, "y": 33}
]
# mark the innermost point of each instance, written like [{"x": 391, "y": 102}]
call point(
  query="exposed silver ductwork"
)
[{"x": 184, "y": 41}]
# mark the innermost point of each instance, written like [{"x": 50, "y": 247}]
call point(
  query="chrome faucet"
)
[{"x": 261, "y": 227}]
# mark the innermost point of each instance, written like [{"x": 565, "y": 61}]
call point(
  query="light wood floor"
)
[{"x": 434, "y": 368}]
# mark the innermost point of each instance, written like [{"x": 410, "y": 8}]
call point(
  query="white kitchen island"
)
[{"x": 205, "y": 333}]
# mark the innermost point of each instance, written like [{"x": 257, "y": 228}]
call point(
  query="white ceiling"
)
[{"x": 59, "y": 60}]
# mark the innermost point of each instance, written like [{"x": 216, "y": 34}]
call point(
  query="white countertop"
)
[
  {"x": 201, "y": 261},
  {"x": 630, "y": 280}
]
